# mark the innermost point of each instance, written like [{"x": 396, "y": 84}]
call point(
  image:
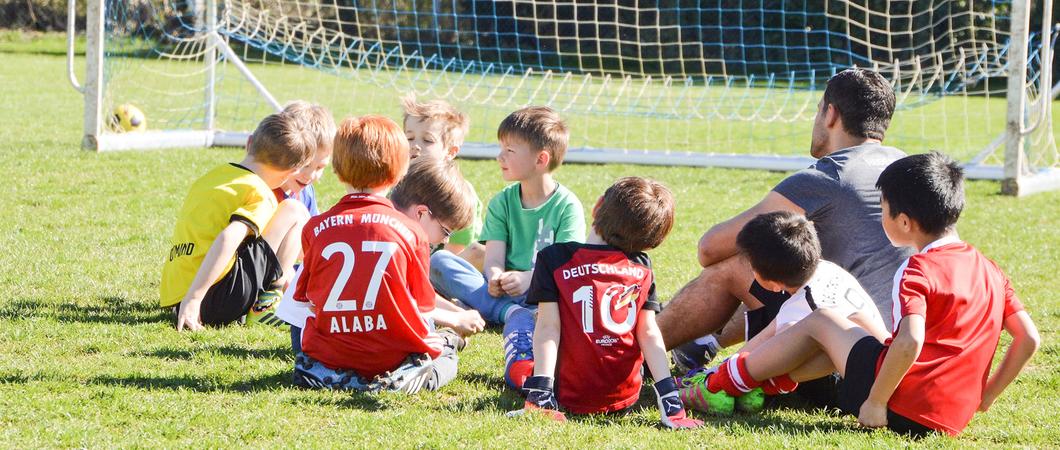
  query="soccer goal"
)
[{"x": 731, "y": 83}]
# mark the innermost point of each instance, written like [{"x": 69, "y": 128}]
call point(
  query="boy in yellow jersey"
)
[{"x": 232, "y": 239}]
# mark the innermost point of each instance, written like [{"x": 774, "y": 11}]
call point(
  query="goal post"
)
[{"x": 664, "y": 82}]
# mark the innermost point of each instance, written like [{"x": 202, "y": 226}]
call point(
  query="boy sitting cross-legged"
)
[
  {"x": 785, "y": 257},
  {"x": 525, "y": 217},
  {"x": 365, "y": 267},
  {"x": 232, "y": 240},
  {"x": 950, "y": 306},
  {"x": 596, "y": 310}
]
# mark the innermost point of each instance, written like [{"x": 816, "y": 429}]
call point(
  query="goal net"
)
[{"x": 728, "y": 83}]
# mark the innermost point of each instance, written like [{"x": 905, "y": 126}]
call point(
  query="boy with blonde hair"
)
[
  {"x": 365, "y": 273},
  {"x": 596, "y": 311},
  {"x": 232, "y": 239},
  {"x": 527, "y": 216},
  {"x": 437, "y": 129}
]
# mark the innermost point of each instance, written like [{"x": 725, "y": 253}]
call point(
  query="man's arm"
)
[
  {"x": 901, "y": 355},
  {"x": 719, "y": 243},
  {"x": 221, "y": 251},
  {"x": 1025, "y": 341}
]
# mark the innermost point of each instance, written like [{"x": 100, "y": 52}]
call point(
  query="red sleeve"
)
[
  {"x": 301, "y": 293},
  {"x": 913, "y": 290},
  {"x": 1012, "y": 302}
]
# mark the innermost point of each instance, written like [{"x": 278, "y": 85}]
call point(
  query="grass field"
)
[{"x": 88, "y": 360}]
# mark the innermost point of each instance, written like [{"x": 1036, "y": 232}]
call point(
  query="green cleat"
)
[
  {"x": 751, "y": 402},
  {"x": 694, "y": 394},
  {"x": 263, "y": 312}
]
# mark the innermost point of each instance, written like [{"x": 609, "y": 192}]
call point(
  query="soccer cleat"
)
[
  {"x": 518, "y": 357},
  {"x": 691, "y": 356},
  {"x": 751, "y": 402},
  {"x": 310, "y": 373},
  {"x": 452, "y": 339},
  {"x": 694, "y": 394},
  {"x": 263, "y": 311},
  {"x": 413, "y": 375}
]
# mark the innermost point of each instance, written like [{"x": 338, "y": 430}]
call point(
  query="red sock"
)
[
  {"x": 732, "y": 377},
  {"x": 781, "y": 384}
]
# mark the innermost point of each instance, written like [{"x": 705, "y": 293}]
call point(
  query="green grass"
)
[{"x": 88, "y": 360}]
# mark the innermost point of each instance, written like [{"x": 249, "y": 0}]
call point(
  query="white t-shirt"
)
[
  {"x": 291, "y": 311},
  {"x": 831, "y": 287}
]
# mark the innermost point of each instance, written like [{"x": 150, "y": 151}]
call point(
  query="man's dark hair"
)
[
  {"x": 864, "y": 101},
  {"x": 929, "y": 188},
  {"x": 782, "y": 247}
]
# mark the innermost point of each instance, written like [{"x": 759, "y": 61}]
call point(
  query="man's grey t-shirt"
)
[{"x": 838, "y": 193}]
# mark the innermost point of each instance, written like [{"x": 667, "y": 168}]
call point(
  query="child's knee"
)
[{"x": 293, "y": 209}]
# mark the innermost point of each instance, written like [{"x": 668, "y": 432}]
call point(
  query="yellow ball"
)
[{"x": 128, "y": 118}]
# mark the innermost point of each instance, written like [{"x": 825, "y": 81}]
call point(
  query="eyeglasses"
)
[{"x": 445, "y": 231}]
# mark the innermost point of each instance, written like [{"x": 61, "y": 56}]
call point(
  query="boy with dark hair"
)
[
  {"x": 233, "y": 240},
  {"x": 785, "y": 258},
  {"x": 596, "y": 310},
  {"x": 366, "y": 263},
  {"x": 950, "y": 305},
  {"x": 525, "y": 217}
]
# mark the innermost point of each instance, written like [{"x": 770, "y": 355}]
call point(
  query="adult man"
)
[{"x": 837, "y": 193}]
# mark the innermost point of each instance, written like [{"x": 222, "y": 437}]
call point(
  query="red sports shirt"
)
[
  {"x": 600, "y": 291},
  {"x": 964, "y": 299},
  {"x": 365, "y": 272}
]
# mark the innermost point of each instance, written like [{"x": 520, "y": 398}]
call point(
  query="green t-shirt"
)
[
  {"x": 465, "y": 236},
  {"x": 526, "y": 231}
]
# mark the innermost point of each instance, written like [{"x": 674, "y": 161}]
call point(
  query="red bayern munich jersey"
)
[
  {"x": 365, "y": 272},
  {"x": 964, "y": 298},
  {"x": 600, "y": 291}
]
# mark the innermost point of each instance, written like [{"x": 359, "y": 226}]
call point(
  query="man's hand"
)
[
  {"x": 494, "y": 284},
  {"x": 671, "y": 408},
  {"x": 516, "y": 283},
  {"x": 468, "y": 322},
  {"x": 188, "y": 314},
  {"x": 873, "y": 414}
]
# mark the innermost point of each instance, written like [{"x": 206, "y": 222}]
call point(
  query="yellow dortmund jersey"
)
[{"x": 229, "y": 192}]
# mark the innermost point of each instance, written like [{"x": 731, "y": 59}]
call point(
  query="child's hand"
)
[
  {"x": 468, "y": 322},
  {"x": 434, "y": 341},
  {"x": 671, "y": 408},
  {"x": 516, "y": 283},
  {"x": 872, "y": 414},
  {"x": 494, "y": 286},
  {"x": 188, "y": 314}
]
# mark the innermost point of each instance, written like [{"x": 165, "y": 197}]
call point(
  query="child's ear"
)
[
  {"x": 543, "y": 158},
  {"x": 249, "y": 140},
  {"x": 599, "y": 201},
  {"x": 906, "y": 223},
  {"x": 451, "y": 153}
]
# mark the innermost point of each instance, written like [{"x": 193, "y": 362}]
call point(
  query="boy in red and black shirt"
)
[
  {"x": 596, "y": 310},
  {"x": 366, "y": 267},
  {"x": 950, "y": 305}
]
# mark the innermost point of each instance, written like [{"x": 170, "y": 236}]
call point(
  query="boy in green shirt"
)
[{"x": 522, "y": 219}]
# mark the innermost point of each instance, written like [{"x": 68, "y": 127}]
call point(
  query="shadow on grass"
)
[
  {"x": 173, "y": 353},
  {"x": 104, "y": 310}
]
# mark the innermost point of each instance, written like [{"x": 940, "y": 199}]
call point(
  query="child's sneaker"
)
[
  {"x": 694, "y": 394},
  {"x": 751, "y": 402},
  {"x": 264, "y": 309},
  {"x": 310, "y": 373},
  {"x": 414, "y": 374},
  {"x": 691, "y": 356},
  {"x": 519, "y": 358}
]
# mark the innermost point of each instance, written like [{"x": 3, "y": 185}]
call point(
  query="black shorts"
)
[
  {"x": 857, "y": 383},
  {"x": 256, "y": 269}
]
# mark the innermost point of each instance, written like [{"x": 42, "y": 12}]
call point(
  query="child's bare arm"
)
[
  {"x": 901, "y": 355},
  {"x": 464, "y": 322},
  {"x": 221, "y": 251},
  {"x": 515, "y": 282},
  {"x": 546, "y": 339},
  {"x": 651, "y": 346},
  {"x": 493, "y": 267},
  {"x": 1025, "y": 341}
]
